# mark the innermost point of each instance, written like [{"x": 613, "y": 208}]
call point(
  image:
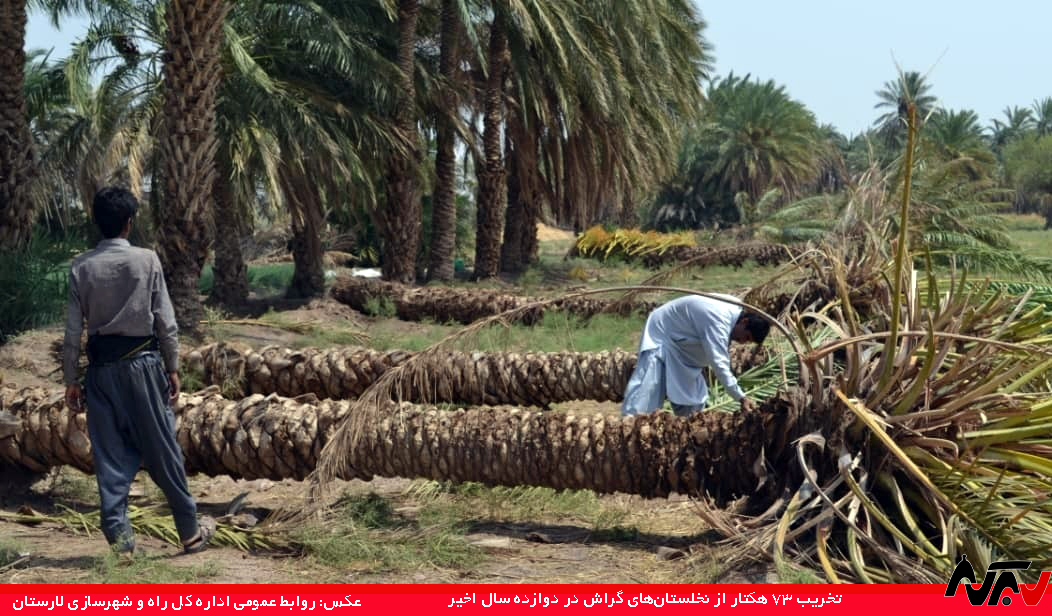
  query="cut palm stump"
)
[
  {"x": 523, "y": 379},
  {"x": 278, "y": 438},
  {"x": 448, "y": 304}
]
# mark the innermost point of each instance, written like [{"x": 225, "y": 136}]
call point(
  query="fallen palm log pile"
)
[
  {"x": 448, "y": 304},
  {"x": 278, "y": 438},
  {"x": 731, "y": 256},
  {"x": 523, "y": 379}
]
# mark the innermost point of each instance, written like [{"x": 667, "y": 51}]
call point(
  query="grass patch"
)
[
  {"x": 264, "y": 280},
  {"x": 556, "y": 332},
  {"x": 793, "y": 574},
  {"x": 380, "y": 307},
  {"x": 1028, "y": 232},
  {"x": 10, "y": 552},
  {"x": 314, "y": 334},
  {"x": 71, "y": 485},
  {"x": 520, "y": 504},
  {"x": 110, "y": 569},
  {"x": 369, "y": 536}
]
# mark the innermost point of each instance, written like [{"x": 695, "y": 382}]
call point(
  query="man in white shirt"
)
[{"x": 682, "y": 337}]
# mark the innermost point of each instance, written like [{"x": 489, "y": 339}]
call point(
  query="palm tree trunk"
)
[
  {"x": 524, "y": 379},
  {"x": 192, "y": 76},
  {"x": 444, "y": 206},
  {"x": 230, "y": 275},
  {"x": 400, "y": 222},
  {"x": 444, "y": 304},
  {"x": 17, "y": 165},
  {"x": 511, "y": 258},
  {"x": 492, "y": 194},
  {"x": 308, "y": 254},
  {"x": 279, "y": 438}
]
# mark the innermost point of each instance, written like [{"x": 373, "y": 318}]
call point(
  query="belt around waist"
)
[{"x": 111, "y": 349}]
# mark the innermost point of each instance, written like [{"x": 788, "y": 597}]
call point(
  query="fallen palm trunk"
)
[
  {"x": 730, "y": 256},
  {"x": 278, "y": 438},
  {"x": 447, "y": 304},
  {"x": 524, "y": 379}
]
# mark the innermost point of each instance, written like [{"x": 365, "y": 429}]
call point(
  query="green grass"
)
[
  {"x": 10, "y": 552},
  {"x": 264, "y": 280},
  {"x": 71, "y": 485},
  {"x": 1028, "y": 232},
  {"x": 110, "y": 569},
  {"x": 557, "y": 332},
  {"x": 524, "y": 504},
  {"x": 368, "y": 535}
]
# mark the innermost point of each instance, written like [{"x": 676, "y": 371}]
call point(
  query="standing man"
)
[
  {"x": 682, "y": 337},
  {"x": 120, "y": 291}
]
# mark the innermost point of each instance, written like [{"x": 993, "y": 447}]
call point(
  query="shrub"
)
[{"x": 34, "y": 284}]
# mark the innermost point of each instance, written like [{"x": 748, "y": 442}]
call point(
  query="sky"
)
[{"x": 833, "y": 55}]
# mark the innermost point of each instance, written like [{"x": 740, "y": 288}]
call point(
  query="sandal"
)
[{"x": 206, "y": 528}]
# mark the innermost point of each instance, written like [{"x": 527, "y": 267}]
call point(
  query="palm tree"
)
[
  {"x": 492, "y": 191},
  {"x": 1018, "y": 122},
  {"x": 958, "y": 136},
  {"x": 1043, "y": 116},
  {"x": 443, "y": 203},
  {"x": 593, "y": 109},
  {"x": 765, "y": 138},
  {"x": 910, "y": 87},
  {"x": 192, "y": 78},
  {"x": 400, "y": 219},
  {"x": 17, "y": 165}
]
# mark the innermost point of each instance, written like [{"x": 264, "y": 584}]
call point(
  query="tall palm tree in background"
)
[
  {"x": 1043, "y": 116},
  {"x": 1018, "y": 122},
  {"x": 910, "y": 87},
  {"x": 192, "y": 78},
  {"x": 492, "y": 190},
  {"x": 765, "y": 139},
  {"x": 17, "y": 164},
  {"x": 443, "y": 202},
  {"x": 400, "y": 218},
  {"x": 958, "y": 136},
  {"x": 590, "y": 136}
]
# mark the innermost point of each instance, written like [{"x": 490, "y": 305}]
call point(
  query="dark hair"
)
[
  {"x": 757, "y": 326},
  {"x": 112, "y": 208}
]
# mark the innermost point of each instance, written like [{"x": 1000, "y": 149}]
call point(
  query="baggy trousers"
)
[
  {"x": 647, "y": 389},
  {"x": 130, "y": 424}
]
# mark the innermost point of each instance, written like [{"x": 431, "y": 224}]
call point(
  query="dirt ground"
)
[{"x": 648, "y": 541}]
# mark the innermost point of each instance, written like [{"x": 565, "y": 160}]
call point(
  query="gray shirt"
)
[
  {"x": 691, "y": 333},
  {"x": 119, "y": 290}
]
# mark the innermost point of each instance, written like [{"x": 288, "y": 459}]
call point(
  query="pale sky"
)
[{"x": 833, "y": 55}]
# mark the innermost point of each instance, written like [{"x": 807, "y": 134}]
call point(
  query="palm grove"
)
[
  {"x": 379, "y": 117},
  {"x": 365, "y": 112}
]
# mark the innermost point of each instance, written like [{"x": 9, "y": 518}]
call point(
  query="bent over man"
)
[
  {"x": 682, "y": 337},
  {"x": 133, "y": 373}
]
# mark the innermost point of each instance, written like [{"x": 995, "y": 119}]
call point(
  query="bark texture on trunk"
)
[
  {"x": 444, "y": 205},
  {"x": 192, "y": 76},
  {"x": 17, "y": 164},
  {"x": 400, "y": 221},
  {"x": 492, "y": 193},
  {"x": 511, "y": 259},
  {"x": 278, "y": 438},
  {"x": 519, "y": 248},
  {"x": 476, "y": 379},
  {"x": 444, "y": 304},
  {"x": 308, "y": 254},
  {"x": 230, "y": 274}
]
